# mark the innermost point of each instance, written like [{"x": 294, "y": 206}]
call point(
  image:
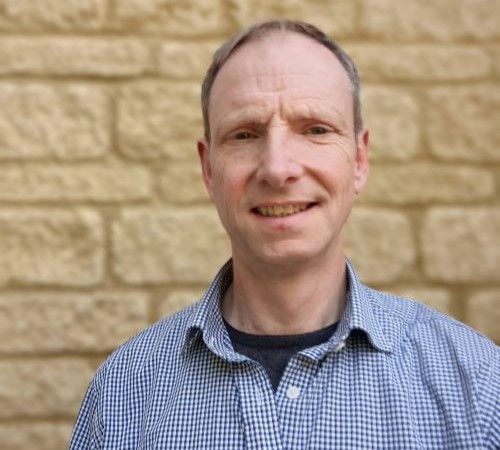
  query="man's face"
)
[{"x": 283, "y": 165}]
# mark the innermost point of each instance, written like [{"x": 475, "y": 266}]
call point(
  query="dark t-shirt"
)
[{"x": 274, "y": 352}]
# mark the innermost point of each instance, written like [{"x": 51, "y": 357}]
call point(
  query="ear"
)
[
  {"x": 361, "y": 167},
  {"x": 206, "y": 170}
]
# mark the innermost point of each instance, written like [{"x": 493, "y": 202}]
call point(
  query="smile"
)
[{"x": 281, "y": 210}]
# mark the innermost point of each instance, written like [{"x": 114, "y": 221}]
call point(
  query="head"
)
[
  {"x": 264, "y": 29},
  {"x": 284, "y": 154}
]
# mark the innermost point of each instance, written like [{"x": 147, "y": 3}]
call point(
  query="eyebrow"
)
[
  {"x": 298, "y": 110},
  {"x": 248, "y": 114}
]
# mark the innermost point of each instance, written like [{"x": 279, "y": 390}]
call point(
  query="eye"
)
[
  {"x": 243, "y": 135},
  {"x": 317, "y": 130}
]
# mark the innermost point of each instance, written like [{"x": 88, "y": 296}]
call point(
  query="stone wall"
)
[{"x": 104, "y": 222}]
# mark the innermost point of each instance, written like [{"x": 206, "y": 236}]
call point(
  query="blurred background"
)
[{"x": 104, "y": 223}]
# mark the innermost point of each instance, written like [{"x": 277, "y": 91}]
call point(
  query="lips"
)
[{"x": 281, "y": 210}]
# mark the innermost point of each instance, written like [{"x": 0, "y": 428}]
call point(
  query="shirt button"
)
[{"x": 293, "y": 392}]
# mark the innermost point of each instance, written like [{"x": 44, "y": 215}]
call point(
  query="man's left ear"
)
[{"x": 361, "y": 168}]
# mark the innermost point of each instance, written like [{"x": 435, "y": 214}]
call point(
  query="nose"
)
[{"x": 279, "y": 165}]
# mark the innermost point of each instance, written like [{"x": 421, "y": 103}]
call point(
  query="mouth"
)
[{"x": 282, "y": 210}]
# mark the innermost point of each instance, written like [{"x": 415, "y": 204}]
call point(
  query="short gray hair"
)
[{"x": 263, "y": 29}]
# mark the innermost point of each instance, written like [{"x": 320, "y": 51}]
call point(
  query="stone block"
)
[
  {"x": 56, "y": 247},
  {"x": 113, "y": 183},
  {"x": 435, "y": 20},
  {"x": 66, "y": 122},
  {"x": 462, "y": 123},
  {"x": 186, "y": 59},
  {"x": 423, "y": 183},
  {"x": 71, "y": 56},
  {"x": 483, "y": 313},
  {"x": 161, "y": 246},
  {"x": 153, "y": 117},
  {"x": 35, "y": 388},
  {"x": 337, "y": 18},
  {"x": 182, "y": 151},
  {"x": 183, "y": 183},
  {"x": 178, "y": 299},
  {"x": 52, "y": 15},
  {"x": 420, "y": 63},
  {"x": 495, "y": 53},
  {"x": 380, "y": 243},
  {"x": 60, "y": 322},
  {"x": 35, "y": 435},
  {"x": 187, "y": 18},
  {"x": 462, "y": 245},
  {"x": 393, "y": 118}
]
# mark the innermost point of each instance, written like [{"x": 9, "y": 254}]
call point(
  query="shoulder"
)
[
  {"x": 161, "y": 341},
  {"x": 442, "y": 361},
  {"x": 419, "y": 329}
]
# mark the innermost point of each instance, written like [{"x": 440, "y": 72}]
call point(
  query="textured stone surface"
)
[
  {"x": 66, "y": 122},
  {"x": 462, "y": 245},
  {"x": 462, "y": 123},
  {"x": 29, "y": 15},
  {"x": 59, "y": 322},
  {"x": 186, "y": 60},
  {"x": 75, "y": 56},
  {"x": 158, "y": 246},
  {"x": 183, "y": 183},
  {"x": 422, "y": 183},
  {"x": 35, "y": 388},
  {"x": 153, "y": 116},
  {"x": 35, "y": 436},
  {"x": 438, "y": 299},
  {"x": 86, "y": 182},
  {"x": 170, "y": 17},
  {"x": 431, "y": 19},
  {"x": 380, "y": 243},
  {"x": 392, "y": 116},
  {"x": 420, "y": 62},
  {"x": 183, "y": 151},
  {"x": 337, "y": 18},
  {"x": 483, "y": 312},
  {"x": 496, "y": 60},
  {"x": 56, "y": 247},
  {"x": 179, "y": 299}
]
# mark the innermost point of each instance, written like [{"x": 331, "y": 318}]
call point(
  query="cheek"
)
[
  {"x": 230, "y": 184},
  {"x": 335, "y": 170}
]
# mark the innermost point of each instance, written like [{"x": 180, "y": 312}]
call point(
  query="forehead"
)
[{"x": 281, "y": 62}]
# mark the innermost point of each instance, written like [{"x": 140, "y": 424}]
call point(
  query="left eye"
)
[
  {"x": 317, "y": 130},
  {"x": 242, "y": 135}
]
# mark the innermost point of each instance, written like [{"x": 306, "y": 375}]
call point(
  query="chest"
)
[{"x": 353, "y": 399}]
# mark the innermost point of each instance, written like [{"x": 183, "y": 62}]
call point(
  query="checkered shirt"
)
[{"x": 394, "y": 375}]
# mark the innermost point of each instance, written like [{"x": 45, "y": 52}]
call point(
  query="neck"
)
[{"x": 285, "y": 302}]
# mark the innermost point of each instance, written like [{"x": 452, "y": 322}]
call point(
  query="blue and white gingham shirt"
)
[{"x": 394, "y": 375}]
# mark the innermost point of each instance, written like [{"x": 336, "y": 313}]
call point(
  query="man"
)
[{"x": 287, "y": 349}]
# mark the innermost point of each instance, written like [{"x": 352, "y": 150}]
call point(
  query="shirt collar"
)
[{"x": 361, "y": 313}]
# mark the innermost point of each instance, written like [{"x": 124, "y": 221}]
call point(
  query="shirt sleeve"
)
[{"x": 89, "y": 430}]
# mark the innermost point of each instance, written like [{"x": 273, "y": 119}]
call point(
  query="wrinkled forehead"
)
[
  {"x": 282, "y": 53},
  {"x": 280, "y": 62}
]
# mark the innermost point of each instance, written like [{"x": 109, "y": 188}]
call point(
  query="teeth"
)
[{"x": 280, "y": 210}]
